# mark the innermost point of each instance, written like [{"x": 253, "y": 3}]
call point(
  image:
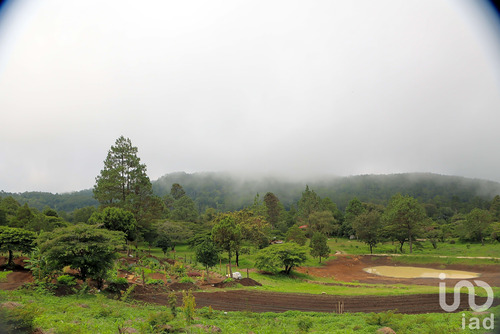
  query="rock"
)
[
  {"x": 385, "y": 330},
  {"x": 237, "y": 275}
]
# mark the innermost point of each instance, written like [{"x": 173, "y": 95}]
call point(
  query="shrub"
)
[
  {"x": 66, "y": 280},
  {"x": 153, "y": 281},
  {"x": 304, "y": 324},
  {"x": 186, "y": 280}
]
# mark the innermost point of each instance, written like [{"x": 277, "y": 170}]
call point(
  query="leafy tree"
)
[
  {"x": 323, "y": 222},
  {"x": 309, "y": 202},
  {"x": 477, "y": 225},
  {"x": 184, "y": 209},
  {"x": 368, "y": 228},
  {"x": 319, "y": 246},
  {"x": 227, "y": 235},
  {"x": 177, "y": 191},
  {"x": 207, "y": 254},
  {"x": 403, "y": 219},
  {"x": 273, "y": 208},
  {"x": 164, "y": 242},
  {"x": 15, "y": 239},
  {"x": 495, "y": 208},
  {"x": 123, "y": 183},
  {"x": 354, "y": 209},
  {"x": 177, "y": 232},
  {"x": 287, "y": 255},
  {"x": 116, "y": 219},
  {"x": 3, "y": 217},
  {"x": 87, "y": 248},
  {"x": 495, "y": 231},
  {"x": 295, "y": 234},
  {"x": 9, "y": 205},
  {"x": 82, "y": 215},
  {"x": 24, "y": 216}
]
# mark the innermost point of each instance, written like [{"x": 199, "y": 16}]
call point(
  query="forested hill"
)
[
  {"x": 60, "y": 202},
  {"x": 228, "y": 192}
]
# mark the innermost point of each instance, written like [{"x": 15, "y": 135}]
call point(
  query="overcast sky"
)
[{"x": 295, "y": 88}]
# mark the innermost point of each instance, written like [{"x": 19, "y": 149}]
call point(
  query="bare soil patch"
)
[
  {"x": 257, "y": 301},
  {"x": 349, "y": 268}
]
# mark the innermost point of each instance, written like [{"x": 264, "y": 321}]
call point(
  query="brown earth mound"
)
[{"x": 234, "y": 283}]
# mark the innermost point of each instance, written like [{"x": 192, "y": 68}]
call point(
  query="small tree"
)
[
  {"x": 368, "y": 226},
  {"x": 15, "y": 239},
  {"x": 207, "y": 254},
  {"x": 287, "y": 255},
  {"x": 295, "y": 234},
  {"x": 87, "y": 248},
  {"x": 319, "y": 246},
  {"x": 164, "y": 242},
  {"x": 227, "y": 235},
  {"x": 116, "y": 219}
]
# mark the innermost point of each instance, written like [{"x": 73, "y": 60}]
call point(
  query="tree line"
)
[{"x": 129, "y": 213}]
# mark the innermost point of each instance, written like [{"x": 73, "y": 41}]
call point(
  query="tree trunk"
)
[
  {"x": 237, "y": 258},
  {"x": 411, "y": 243},
  {"x": 371, "y": 250},
  {"x": 401, "y": 243},
  {"x": 10, "y": 262}
]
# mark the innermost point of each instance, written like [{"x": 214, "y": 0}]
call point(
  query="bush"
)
[
  {"x": 304, "y": 324},
  {"x": 66, "y": 280},
  {"x": 153, "y": 281},
  {"x": 186, "y": 280}
]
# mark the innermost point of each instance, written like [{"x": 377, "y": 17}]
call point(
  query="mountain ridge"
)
[{"x": 227, "y": 191}]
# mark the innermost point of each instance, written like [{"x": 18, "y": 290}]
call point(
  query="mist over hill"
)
[{"x": 225, "y": 191}]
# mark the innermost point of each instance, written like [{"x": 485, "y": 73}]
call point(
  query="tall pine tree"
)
[{"x": 123, "y": 183}]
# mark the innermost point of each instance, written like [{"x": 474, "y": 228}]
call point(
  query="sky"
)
[{"x": 290, "y": 88}]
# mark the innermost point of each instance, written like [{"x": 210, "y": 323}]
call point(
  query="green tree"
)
[
  {"x": 116, "y": 219},
  {"x": 184, "y": 209},
  {"x": 207, "y": 254},
  {"x": 295, "y": 234},
  {"x": 164, "y": 242},
  {"x": 477, "y": 225},
  {"x": 123, "y": 183},
  {"x": 323, "y": 222},
  {"x": 24, "y": 216},
  {"x": 354, "y": 209},
  {"x": 273, "y": 208},
  {"x": 403, "y": 219},
  {"x": 177, "y": 232},
  {"x": 287, "y": 255},
  {"x": 368, "y": 228},
  {"x": 15, "y": 239},
  {"x": 87, "y": 248},
  {"x": 227, "y": 235},
  {"x": 177, "y": 191},
  {"x": 495, "y": 208},
  {"x": 319, "y": 246},
  {"x": 309, "y": 202},
  {"x": 82, "y": 215}
]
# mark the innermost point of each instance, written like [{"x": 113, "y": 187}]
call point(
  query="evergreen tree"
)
[
  {"x": 123, "y": 183},
  {"x": 273, "y": 208}
]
